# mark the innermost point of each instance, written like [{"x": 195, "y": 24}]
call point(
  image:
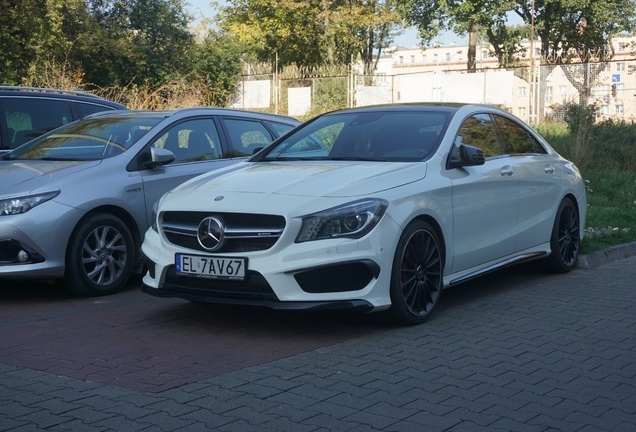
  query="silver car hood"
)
[{"x": 25, "y": 176}]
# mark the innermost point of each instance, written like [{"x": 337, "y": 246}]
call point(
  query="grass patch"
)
[{"x": 609, "y": 171}]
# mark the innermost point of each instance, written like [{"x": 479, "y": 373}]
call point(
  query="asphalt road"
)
[{"x": 515, "y": 350}]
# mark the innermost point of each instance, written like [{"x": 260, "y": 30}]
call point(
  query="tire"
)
[
  {"x": 416, "y": 276},
  {"x": 565, "y": 239},
  {"x": 100, "y": 256}
]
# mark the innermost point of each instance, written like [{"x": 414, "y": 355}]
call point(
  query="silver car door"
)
[{"x": 197, "y": 148}]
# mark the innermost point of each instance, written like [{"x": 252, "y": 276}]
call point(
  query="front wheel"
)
[
  {"x": 566, "y": 238},
  {"x": 100, "y": 256},
  {"x": 416, "y": 277}
]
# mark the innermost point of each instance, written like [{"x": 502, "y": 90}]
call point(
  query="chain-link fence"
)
[{"x": 534, "y": 97}]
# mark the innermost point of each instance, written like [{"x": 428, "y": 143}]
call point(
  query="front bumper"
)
[
  {"x": 42, "y": 234},
  {"x": 323, "y": 274}
]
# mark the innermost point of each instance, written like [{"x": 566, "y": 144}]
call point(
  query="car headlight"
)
[
  {"x": 22, "y": 204},
  {"x": 351, "y": 220}
]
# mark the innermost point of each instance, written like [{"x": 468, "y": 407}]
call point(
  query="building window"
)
[
  {"x": 447, "y": 56},
  {"x": 604, "y": 109},
  {"x": 621, "y": 47},
  {"x": 522, "y": 91},
  {"x": 524, "y": 53},
  {"x": 401, "y": 59},
  {"x": 563, "y": 90},
  {"x": 620, "y": 67},
  {"x": 605, "y": 67},
  {"x": 484, "y": 54},
  {"x": 548, "y": 94},
  {"x": 620, "y": 88},
  {"x": 412, "y": 59},
  {"x": 537, "y": 52},
  {"x": 619, "y": 109},
  {"x": 605, "y": 88},
  {"x": 460, "y": 55},
  {"x": 424, "y": 58},
  {"x": 522, "y": 111},
  {"x": 435, "y": 58}
]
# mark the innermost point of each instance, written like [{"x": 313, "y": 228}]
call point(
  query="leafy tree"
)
[{"x": 313, "y": 32}]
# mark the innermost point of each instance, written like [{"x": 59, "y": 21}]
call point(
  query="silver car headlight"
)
[
  {"x": 22, "y": 204},
  {"x": 351, "y": 220}
]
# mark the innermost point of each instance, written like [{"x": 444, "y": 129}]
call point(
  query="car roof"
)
[
  {"x": 451, "y": 107},
  {"x": 193, "y": 111},
  {"x": 41, "y": 92}
]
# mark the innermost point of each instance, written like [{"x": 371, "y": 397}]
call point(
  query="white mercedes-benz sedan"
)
[{"x": 375, "y": 209}]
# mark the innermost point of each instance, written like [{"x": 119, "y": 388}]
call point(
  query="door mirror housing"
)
[
  {"x": 159, "y": 157},
  {"x": 466, "y": 155}
]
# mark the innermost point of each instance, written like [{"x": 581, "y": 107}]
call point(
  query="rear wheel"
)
[
  {"x": 100, "y": 256},
  {"x": 416, "y": 277},
  {"x": 566, "y": 238}
]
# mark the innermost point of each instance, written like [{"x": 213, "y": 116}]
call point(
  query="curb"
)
[{"x": 597, "y": 259}]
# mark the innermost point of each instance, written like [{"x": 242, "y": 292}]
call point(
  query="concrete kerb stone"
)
[{"x": 597, "y": 259}]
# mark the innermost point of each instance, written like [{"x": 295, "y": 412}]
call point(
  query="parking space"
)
[{"x": 516, "y": 350}]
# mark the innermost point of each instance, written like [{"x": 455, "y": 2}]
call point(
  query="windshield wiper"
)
[{"x": 357, "y": 158}]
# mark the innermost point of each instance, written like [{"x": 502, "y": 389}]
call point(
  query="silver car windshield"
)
[
  {"x": 374, "y": 136},
  {"x": 91, "y": 139}
]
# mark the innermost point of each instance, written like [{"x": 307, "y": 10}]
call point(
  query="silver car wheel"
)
[{"x": 104, "y": 255}]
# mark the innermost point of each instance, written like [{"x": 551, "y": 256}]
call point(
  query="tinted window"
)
[
  {"x": 376, "y": 135},
  {"x": 479, "y": 131},
  {"x": 247, "y": 136},
  {"x": 516, "y": 138},
  {"x": 28, "y": 118},
  {"x": 86, "y": 109},
  {"x": 192, "y": 141}
]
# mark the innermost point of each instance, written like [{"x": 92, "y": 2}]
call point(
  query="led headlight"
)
[
  {"x": 351, "y": 220},
  {"x": 22, "y": 204}
]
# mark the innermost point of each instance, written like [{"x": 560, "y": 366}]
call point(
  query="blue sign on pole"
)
[{"x": 616, "y": 77}]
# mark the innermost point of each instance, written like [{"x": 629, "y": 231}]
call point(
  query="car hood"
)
[
  {"x": 24, "y": 176},
  {"x": 309, "y": 179}
]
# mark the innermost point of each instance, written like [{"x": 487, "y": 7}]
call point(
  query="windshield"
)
[
  {"x": 91, "y": 139},
  {"x": 374, "y": 136}
]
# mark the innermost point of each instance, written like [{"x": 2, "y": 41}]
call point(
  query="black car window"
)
[
  {"x": 247, "y": 136},
  {"x": 28, "y": 118},
  {"x": 192, "y": 141},
  {"x": 479, "y": 131},
  {"x": 86, "y": 109},
  {"x": 516, "y": 139}
]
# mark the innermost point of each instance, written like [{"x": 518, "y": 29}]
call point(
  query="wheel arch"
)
[{"x": 122, "y": 214}]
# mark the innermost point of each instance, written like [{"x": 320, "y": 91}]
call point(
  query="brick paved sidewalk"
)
[{"x": 557, "y": 355}]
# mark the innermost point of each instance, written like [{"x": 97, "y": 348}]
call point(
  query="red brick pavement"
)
[{"x": 145, "y": 343}]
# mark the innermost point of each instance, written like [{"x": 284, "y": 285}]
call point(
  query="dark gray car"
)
[{"x": 75, "y": 202}]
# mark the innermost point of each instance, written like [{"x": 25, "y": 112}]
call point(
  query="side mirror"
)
[
  {"x": 159, "y": 157},
  {"x": 466, "y": 155}
]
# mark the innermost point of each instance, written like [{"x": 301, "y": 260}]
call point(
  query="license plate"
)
[{"x": 211, "y": 267}]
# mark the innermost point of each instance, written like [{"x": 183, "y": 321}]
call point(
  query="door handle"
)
[
  {"x": 549, "y": 169},
  {"x": 507, "y": 171}
]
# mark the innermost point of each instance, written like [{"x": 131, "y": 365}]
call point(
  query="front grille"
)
[
  {"x": 352, "y": 276},
  {"x": 244, "y": 232},
  {"x": 254, "y": 286}
]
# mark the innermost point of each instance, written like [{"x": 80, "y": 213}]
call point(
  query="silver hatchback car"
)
[{"x": 75, "y": 202}]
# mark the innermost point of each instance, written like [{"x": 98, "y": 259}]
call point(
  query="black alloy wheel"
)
[
  {"x": 566, "y": 238},
  {"x": 416, "y": 279}
]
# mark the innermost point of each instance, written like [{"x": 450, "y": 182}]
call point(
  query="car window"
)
[
  {"x": 479, "y": 131},
  {"x": 280, "y": 128},
  {"x": 86, "y": 109},
  {"x": 192, "y": 141},
  {"x": 246, "y": 136},
  {"x": 90, "y": 139},
  {"x": 28, "y": 118},
  {"x": 516, "y": 139},
  {"x": 376, "y": 136}
]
